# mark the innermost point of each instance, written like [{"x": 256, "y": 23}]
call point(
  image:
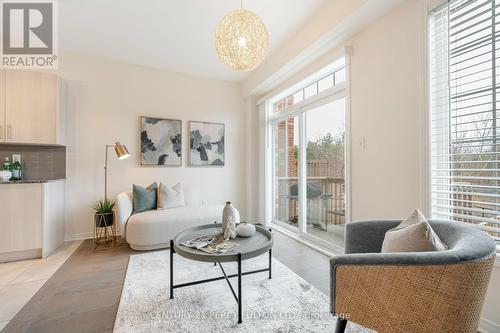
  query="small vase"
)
[
  {"x": 245, "y": 229},
  {"x": 230, "y": 211},
  {"x": 230, "y": 218}
]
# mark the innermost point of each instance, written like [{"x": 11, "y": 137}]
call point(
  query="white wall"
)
[
  {"x": 386, "y": 109},
  {"x": 388, "y": 114},
  {"x": 104, "y": 102}
]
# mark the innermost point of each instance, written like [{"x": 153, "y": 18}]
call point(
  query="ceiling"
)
[{"x": 174, "y": 35}]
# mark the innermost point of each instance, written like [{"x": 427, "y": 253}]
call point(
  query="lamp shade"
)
[
  {"x": 121, "y": 151},
  {"x": 241, "y": 40}
]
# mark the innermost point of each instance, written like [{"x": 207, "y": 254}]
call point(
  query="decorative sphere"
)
[
  {"x": 241, "y": 40},
  {"x": 245, "y": 229}
]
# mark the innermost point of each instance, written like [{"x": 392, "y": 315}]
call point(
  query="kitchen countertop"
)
[{"x": 29, "y": 181}]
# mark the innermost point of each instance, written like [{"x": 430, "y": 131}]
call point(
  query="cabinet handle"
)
[{"x": 9, "y": 132}]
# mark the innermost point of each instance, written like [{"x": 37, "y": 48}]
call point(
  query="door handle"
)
[{"x": 9, "y": 132}]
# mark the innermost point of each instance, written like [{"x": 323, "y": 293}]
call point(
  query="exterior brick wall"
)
[{"x": 292, "y": 162}]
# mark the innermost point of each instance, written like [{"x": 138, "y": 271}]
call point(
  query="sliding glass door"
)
[
  {"x": 308, "y": 169},
  {"x": 325, "y": 171}
]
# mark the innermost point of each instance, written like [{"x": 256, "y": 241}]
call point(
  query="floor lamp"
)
[
  {"x": 101, "y": 233},
  {"x": 122, "y": 153}
]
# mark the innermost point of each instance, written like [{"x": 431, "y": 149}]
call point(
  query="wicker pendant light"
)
[{"x": 241, "y": 40}]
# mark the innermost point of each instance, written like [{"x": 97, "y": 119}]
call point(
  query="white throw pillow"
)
[
  {"x": 170, "y": 197},
  {"x": 414, "y": 234}
]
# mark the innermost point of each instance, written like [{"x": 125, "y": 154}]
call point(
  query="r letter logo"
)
[{"x": 28, "y": 34}]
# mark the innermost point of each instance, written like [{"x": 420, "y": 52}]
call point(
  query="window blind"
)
[{"x": 464, "y": 93}]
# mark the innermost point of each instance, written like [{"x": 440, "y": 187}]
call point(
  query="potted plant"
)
[{"x": 103, "y": 213}]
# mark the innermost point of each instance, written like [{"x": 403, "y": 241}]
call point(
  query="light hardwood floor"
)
[
  {"x": 83, "y": 295},
  {"x": 20, "y": 280}
]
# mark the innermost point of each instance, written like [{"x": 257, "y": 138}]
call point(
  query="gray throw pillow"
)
[
  {"x": 414, "y": 234},
  {"x": 144, "y": 198}
]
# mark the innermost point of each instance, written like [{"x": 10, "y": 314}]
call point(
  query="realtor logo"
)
[{"x": 28, "y": 34}]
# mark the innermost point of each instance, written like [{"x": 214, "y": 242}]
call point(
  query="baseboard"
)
[
  {"x": 81, "y": 236},
  {"x": 78, "y": 236},
  {"x": 487, "y": 326},
  {"x": 20, "y": 255}
]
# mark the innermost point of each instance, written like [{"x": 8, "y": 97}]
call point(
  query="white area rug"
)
[{"x": 286, "y": 303}]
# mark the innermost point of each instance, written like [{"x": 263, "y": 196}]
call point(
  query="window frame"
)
[
  {"x": 299, "y": 110},
  {"x": 428, "y": 121},
  {"x": 314, "y": 79}
]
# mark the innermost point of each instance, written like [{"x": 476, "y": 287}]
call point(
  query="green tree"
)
[{"x": 328, "y": 147}]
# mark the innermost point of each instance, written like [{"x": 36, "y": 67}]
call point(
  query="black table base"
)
[{"x": 224, "y": 276}]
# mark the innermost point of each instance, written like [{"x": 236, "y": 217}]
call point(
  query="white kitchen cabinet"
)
[
  {"x": 31, "y": 112},
  {"x": 31, "y": 219}
]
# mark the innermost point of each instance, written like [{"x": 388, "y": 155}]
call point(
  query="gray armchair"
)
[{"x": 439, "y": 291}]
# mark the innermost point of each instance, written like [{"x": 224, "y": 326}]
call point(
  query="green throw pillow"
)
[{"x": 144, "y": 198}]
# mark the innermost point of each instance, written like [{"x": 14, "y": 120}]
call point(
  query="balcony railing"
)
[
  {"x": 325, "y": 201},
  {"x": 480, "y": 210}
]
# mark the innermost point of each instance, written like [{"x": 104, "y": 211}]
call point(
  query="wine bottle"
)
[
  {"x": 16, "y": 167},
  {"x": 6, "y": 165}
]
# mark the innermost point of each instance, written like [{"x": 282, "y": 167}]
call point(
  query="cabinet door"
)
[
  {"x": 21, "y": 222},
  {"x": 31, "y": 107},
  {"x": 2, "y": 105}
]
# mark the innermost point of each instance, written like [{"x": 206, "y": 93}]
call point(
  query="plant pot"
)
[{"x": 104, "y": 220}]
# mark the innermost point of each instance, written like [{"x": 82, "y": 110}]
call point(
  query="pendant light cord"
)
[{"x": 241, "y": 4}]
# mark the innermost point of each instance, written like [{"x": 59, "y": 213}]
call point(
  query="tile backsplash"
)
[{"x": 39, "y": 162}]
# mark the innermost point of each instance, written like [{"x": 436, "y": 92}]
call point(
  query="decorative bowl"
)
[
  {"x": 245, "y": 229},
  {"x": 5, "y": 176}
]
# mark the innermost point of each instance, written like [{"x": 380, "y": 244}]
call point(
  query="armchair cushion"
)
[
  {"x": 364, "y": 243},
  {"x": 367, "y": 236},
  {"x": 414, "y": 234}
]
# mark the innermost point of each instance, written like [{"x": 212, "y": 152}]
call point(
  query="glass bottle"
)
[
  {"x": 6, "y": 165},
  {"x": 16, "y": 167}
]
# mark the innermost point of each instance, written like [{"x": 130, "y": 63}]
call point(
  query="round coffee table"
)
[{"x": 248, "y": 247}]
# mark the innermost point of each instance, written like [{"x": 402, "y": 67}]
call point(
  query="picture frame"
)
[
  {"x": 160, "y": 142},
  {"x": 207, "y": 144}
]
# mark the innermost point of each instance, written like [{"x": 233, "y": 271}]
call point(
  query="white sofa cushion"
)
[
  {"x": 170, "y": 197},
  {"x": 191, "y": 198},
  {"x": 155, "y": 228}
]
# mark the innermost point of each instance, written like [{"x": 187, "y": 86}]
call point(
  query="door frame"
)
[{"x": 299, "y": 110}]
